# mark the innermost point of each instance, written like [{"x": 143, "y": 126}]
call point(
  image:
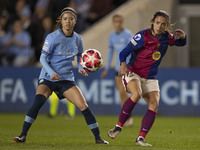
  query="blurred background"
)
[{"x": 24, "y": 25}]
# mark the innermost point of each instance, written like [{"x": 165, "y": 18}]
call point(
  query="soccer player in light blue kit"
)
[
  {"x": 58, "y": 52},
  {"x": 117, "y": 42}
]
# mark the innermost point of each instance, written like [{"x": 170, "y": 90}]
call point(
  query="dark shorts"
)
[
  {"x": 59, "y": 87},
  {"x": 116, "y": 73}
]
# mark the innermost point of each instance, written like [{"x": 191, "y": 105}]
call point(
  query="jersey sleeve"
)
[
  {"x": 46, "y": 50},
  {"x": 176, "y": 41},
  {"x": 137, "y": 41},
  {"x": 110, "y": 53},
  {"x": 48, "y": 45},
  {"x": 45, "y": 64},
  {"x": 80, "y": 51},
  {"x": 135, "y": 44}
]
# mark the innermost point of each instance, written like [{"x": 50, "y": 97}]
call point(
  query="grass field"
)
[{"x": 65, "y": 134}]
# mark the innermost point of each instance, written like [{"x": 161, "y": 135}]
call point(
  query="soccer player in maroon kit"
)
[{"x": 147, "y": 49}]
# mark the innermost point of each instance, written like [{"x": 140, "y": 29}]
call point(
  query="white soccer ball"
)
[{"x": 91, "y": 60}]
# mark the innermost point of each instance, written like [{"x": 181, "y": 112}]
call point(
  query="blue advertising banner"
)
[{"x": 179, "y": 90}]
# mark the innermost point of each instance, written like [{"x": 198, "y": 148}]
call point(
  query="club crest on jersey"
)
[
  {"x": 137, "y": 37},
  {"x": 76, "y": 45},
  {"x": 158, "y": 45},
  {"x": 156, "y": 55},
  {"x": 45, "y": 48}
]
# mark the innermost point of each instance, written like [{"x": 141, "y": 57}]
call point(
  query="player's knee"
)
[
  {"x": 154, "y": 104},
  {"x": 83, "y": 106},
  {"x": 135, "y": 96}
]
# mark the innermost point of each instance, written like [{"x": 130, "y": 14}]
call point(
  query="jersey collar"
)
[{"x": 64, "y": 33}]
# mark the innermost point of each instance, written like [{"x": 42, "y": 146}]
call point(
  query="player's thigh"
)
[
  {"x": 134, "y": 87},
  {"x": 75, "y": 96},
  {"x": 43, "y": 90},
  {"x": 118, "y": 82}
]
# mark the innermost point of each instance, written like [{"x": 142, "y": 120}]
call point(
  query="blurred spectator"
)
[
  {"x": 47, "y": 26},
  {"x": 99, "y": 9},
  {"x": 3, "y": 29},
  {"x": 83, "y": 7},
  {"x": 3, "y": 23},
  {"x": 32, "y": 15},
  {"x": 21, "y": 8},
  {"x": 16, "y": 46},
  {"x": 78, "y": 5},
  {"x": 25, "y": 18},
  {"x": 36, "y": 28},
  {"x": 40, "y": 10},
  {"x": 55, "y": 7}
]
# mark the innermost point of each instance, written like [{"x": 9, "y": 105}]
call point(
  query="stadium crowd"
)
[{"x": 24, "y": 25}]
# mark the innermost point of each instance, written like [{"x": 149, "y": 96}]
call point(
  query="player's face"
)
[
  {"x": 118, "y": 23},
  {"x": 159, "y": 25},
  {"x": 68, "y": 21}
]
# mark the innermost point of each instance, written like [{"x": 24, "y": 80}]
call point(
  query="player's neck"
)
[
  {"x": 119, "y": 31},
  {"x": 67, "y": 32},
  {"x": 154, "y": 34}
]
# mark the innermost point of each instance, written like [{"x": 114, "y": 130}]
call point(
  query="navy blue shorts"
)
[
  {"x": 59, "y": 87},
  {"x": 116, "y": 73}
]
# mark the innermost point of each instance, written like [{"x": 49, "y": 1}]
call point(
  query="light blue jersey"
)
[
  {"x": 58, "y": 52},
  {"x": 117, "y": 42}
]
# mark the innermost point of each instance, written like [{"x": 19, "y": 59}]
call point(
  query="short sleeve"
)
[{"x": 48, "y": 44}]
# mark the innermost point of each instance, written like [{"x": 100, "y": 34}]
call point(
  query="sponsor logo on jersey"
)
[
  {"x": 46, "y": 42},
  {"x": 133, "y": 42},
  {"x": 158, "y": 45},
  {"x": 130, "y": 74},
  {"x": 137, "y": 37},
  {"x": 156, "y": 55},
  {"x": 122, "y": 40},
  {"x": 45, "y": 48}
]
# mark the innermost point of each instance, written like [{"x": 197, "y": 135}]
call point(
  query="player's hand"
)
[
  {"x": 179, "y": 33},
  {"x": 104, "y": 74},
  {"x": 123, "y": 69},
  {"x": 55, "y": 77},
  {"x": 83, "y": 72}
]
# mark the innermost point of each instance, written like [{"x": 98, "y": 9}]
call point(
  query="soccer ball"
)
[{"x": 91, "y": 60}]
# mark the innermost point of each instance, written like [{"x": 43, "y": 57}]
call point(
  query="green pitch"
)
[{"x": 65, "y": 134}]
